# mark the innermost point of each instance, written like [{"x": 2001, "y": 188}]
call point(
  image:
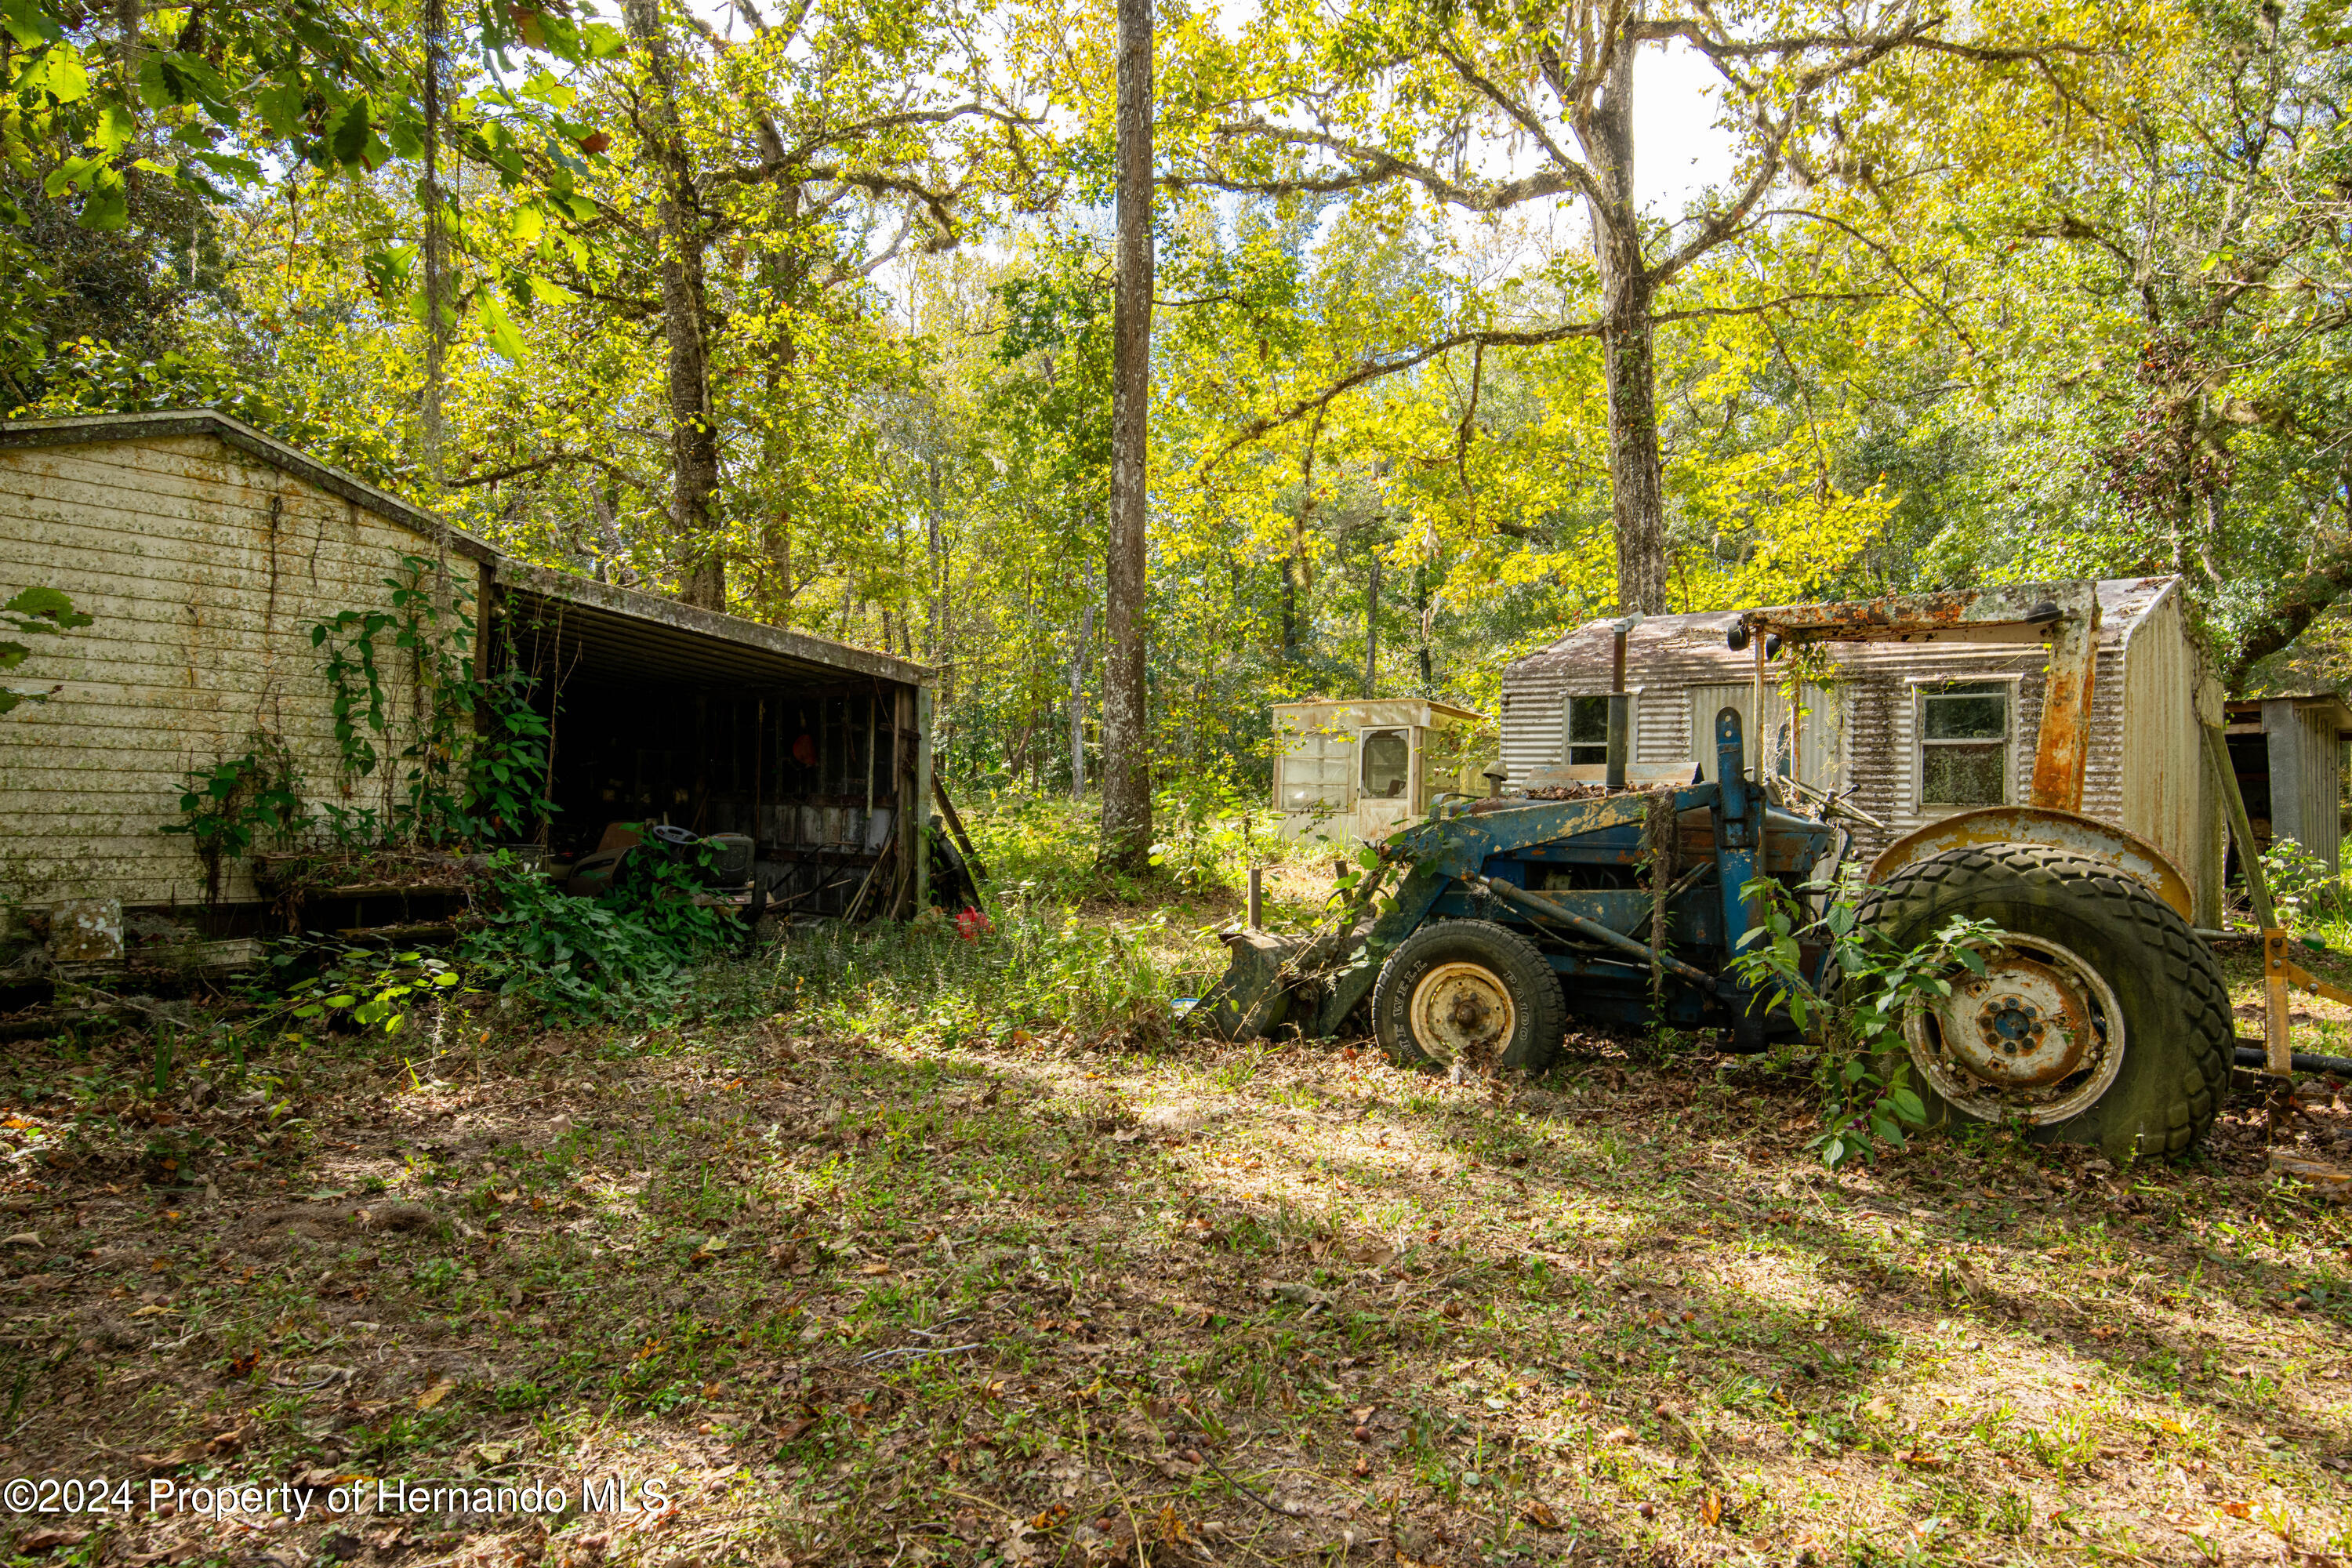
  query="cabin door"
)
[{"x": 1388, "y": 779}]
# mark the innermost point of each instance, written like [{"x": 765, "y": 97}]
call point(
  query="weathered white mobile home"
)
[
  {"x": 1357, "y": 769},
  {"x": 1917, "y": 729},
  {"x": 208, "y": 554}
]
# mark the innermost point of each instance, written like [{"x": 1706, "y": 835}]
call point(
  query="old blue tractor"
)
[{"x": 2103, "y": 1019}]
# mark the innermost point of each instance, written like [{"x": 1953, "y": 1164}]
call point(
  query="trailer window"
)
[
  {"x": 1388, "y": 765},
  {"x": 1964, "y": 744},
  {"x": 1588, "y": 729}
]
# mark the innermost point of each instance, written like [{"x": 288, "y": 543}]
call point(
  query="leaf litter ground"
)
[{"x": 1062, "y": 1300}]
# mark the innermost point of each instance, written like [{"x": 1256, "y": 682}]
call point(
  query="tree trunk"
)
[
  {"x": 1127, "y": 779},
  {"x": 693, "y": 438},
  {"x": 1637, "y": 488},
  {"x": 433, "y": 246},
  {"x": 1372, "y": 629},
  {"x": 1078, "y": 699}
]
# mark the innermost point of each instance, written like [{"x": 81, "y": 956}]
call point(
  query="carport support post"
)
[{"x": 915, "y": 801}]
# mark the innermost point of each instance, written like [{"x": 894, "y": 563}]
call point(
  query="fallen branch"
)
[
  {"x": 1275, "y": 1508},
  {"x": 912, "y": 1351}
]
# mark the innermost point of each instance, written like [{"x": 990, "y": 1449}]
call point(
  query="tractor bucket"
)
[{"x": 1255, "y": 994}]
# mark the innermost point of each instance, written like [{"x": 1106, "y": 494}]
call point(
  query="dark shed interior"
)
[{"x": 816, "y": 750}]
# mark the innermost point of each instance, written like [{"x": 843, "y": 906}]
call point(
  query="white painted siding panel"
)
[{"x": 204, "y": 595}]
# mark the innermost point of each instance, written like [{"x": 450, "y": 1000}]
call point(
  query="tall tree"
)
[
  {"x": 684, "y": 311},
  {"x": 1488, "y": 108},
  {"x": 1126, "y": 777}
]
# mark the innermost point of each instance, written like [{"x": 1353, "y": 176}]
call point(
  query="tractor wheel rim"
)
[
  {"x": 1464, "y": 1013},
  {"x": 2039, "y": 1035}
]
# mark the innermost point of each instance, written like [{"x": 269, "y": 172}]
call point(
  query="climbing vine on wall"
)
[
  {"x": 456, "y": 756},
  {"x": 227, "y": 806},
  {"x": 474, "y": 750}
]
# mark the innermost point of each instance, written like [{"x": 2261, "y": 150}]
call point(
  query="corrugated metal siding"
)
[
  {"x": 1873, "y": 687},
  {"x": 2322, "y": 808},
  {"x": 204, "y": 597},
  {"x": 2169, "y": 798},
  {"x": 2305, "y": 758}
]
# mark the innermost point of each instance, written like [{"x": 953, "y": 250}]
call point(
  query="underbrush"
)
[
  {"x": 1035, "y": 965},
  {"x": 1202, "y": 839}
]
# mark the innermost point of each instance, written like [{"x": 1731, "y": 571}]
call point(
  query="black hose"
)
[{"x": 2302, "y": 1061}]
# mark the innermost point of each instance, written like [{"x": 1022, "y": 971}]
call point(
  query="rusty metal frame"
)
[
  {"x": 2280, "y": 974},
  {"x": 2065, "y": 614}
]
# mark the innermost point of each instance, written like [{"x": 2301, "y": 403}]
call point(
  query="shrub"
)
[{"x": 622, "y": 952}]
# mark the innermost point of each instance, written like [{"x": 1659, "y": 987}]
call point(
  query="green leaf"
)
[
  {"x": 107, "y": 207},
  {"x": 63, "y": 75},
  {"x": 1908, "y": 1106},
  {"x": 348, "y": 130},
  {"x": 115, "y": 129},
  {"x": 29, "y": 24}
]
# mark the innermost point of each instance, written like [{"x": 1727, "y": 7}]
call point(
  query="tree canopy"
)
[{"x": 806, "y": 312}]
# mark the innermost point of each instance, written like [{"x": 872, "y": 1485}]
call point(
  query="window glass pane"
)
[
  {"x": 1388, "y": 761},
  {"x": 1310, "y": 782},
  {"x": 1975, "y": 715},
  {"x": 1588, "y": 729},
  {"x": 1966, "y": 774}
]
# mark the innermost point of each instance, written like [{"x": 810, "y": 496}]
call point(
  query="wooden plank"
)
[{"x": 955, "y": 827}]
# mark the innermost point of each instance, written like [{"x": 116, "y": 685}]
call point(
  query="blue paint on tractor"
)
[{"x": 1532, "y": 867}]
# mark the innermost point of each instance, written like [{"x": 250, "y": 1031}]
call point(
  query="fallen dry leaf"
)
[
  {"x": 1711, "y": 1510},
  {"x": 1538, "y": 1512},
  {"x": 437, "y": 1394}
]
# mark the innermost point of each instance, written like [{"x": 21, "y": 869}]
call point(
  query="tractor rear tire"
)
[
  {"x": 1469, "y": 993},
  {"x": 2129, "y": 951}
]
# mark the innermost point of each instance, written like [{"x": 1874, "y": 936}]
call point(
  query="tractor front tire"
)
[
  {"x": 1472, "y": 995},
  {"x": 2091, "y": 941}
]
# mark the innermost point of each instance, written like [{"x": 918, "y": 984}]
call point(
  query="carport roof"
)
[{"x": 621, "y": 635}]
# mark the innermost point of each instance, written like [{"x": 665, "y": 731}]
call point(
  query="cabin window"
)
[
  {"x": 1388, "y": 765},
  {"x": 1314, "y": 773},
  {"x": 1964, "y": 744},
  {"x": 1587, "y": 731}
]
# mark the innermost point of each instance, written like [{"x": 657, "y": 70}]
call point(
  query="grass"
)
[{"x": 900, "y": 1248}]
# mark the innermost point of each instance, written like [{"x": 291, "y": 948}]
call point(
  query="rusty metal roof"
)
[
  {"x": 1432, "y": 704},
  {"x": 616, "y": 634},
  {"x": 2252, "y": 707},
  {"x": 2122, "y": 603}
]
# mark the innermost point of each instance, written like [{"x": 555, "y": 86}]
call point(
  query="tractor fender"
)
[{"x": 2067, "y": 830}]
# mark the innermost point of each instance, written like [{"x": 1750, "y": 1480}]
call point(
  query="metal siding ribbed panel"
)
[
  {"x": 2322, "y": 813},
  {"x": 1668, "y": 655}
]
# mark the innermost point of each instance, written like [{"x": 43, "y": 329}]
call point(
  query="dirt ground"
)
[{"x": 780, "y": 1298}]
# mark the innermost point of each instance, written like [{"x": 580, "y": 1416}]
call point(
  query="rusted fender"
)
[{"x": 2068, "y": 830}]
